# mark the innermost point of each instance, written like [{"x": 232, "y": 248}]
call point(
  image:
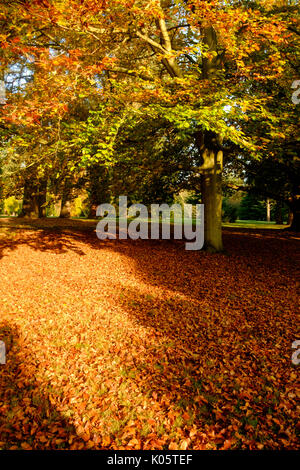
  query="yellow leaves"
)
[
  {"x": 74, "y": 340},
  {"x": 63, "y": 22}
]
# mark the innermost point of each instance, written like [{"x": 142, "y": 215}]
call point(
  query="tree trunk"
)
[
  {"x": 34, "y": 199},
  {"x": 294, "y": 206},
  {"x": 65, "y": 210},
  {"x": 278, "y": 213},
  {"x": 268, "y": 210},
  {"x": 209, "y": 145},
  {"x": 98, "y": 188},
  {"x": 92, "y": 211}
]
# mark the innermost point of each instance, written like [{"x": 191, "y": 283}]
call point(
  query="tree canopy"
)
[{"x": 84, "y": 79}]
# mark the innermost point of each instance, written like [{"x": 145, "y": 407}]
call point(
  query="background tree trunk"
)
[
  {"x": 98, "y": 188},
  {"x": 268, "y": 210},
  {"x": 278, "y": 213},
  {"x": 34, "y": 199},
  {"x": 65, "y": 210}
]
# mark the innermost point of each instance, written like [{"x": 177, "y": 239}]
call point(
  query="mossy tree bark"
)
[{"x": 210, "y": 148}]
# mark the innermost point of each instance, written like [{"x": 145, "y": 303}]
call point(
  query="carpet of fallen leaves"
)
[{"x": 143, "y": 345}]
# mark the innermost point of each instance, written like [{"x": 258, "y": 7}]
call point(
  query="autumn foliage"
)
[{"x": 143, "y": 345}]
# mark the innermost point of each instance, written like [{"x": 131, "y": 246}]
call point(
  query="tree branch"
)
[
  {"x": 134, "y": 73},
  {"x": 150, "y": 41}
]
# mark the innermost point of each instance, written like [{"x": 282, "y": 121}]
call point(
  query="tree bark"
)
[
  {"x": 294, "y": 206},
  {"x": 278, "y": 213},
  {"x": 98, "y": 188},
  {"x": 209, "y": 145},
  {"x": 65, "y": 210},
  {"x": 34, "y": 199},
  {"x": 268, "y": 210},
  {"x": 92, "y": 211}
]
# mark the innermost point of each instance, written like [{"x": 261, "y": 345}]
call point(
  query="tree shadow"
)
[
  {"x": 165, "y": 263},
  {"x": 28, "y": 419},
  {"x": 203, "y": 308},
  {"x": 51, "y": 241}
]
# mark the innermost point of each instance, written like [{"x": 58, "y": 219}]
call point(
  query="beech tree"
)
[{"x": 191, "y": 62}]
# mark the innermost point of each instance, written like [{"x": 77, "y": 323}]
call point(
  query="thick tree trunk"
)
[
  {"x": 211, "y": 189},
  {"x": 210, "y": 147},
  {"x": 209, "y": 144},
  {"x": 65, "y": 209},
  {"x": 34, "y": 199},
  {"x": 294, "y": 206}
]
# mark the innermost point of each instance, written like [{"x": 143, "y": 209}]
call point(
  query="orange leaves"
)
[
  {"x": 226, "y": 445},
  {"x": 184, "y": 445},
  {"x": 26, "y": 446},
  {"x": 106, "y": 441},
  {"x": 186, "y": 416},
  {"x": 90, "y": 367},
  {"x": 134, "y": 444},
  {"x": 173, "y": 446}
]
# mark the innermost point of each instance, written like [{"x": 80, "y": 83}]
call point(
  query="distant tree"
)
[
  {"x": 252, "y": 208},
  {"x": 229, "y": 210}
]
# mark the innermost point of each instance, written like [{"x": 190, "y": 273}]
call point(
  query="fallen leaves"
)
[{"x": 89, "y": 366}]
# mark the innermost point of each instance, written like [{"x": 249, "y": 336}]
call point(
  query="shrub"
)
[
  {"x": 12, "y": 206},
  {"x": 229, "y": 210}
]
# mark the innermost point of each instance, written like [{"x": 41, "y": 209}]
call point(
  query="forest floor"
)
[{"x": 123, "y": 344}]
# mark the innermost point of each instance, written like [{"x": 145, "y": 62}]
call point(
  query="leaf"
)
[{"x": 227, "y": 444}]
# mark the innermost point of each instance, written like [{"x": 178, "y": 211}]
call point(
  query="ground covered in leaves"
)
[{"x": 143, "y": 345}]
